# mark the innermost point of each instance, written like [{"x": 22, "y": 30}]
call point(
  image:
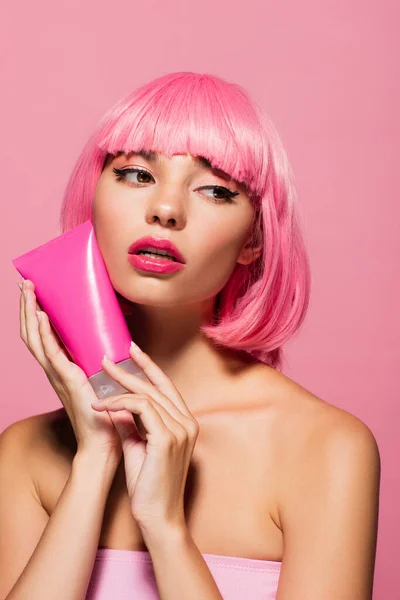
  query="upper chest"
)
[{"x": 230, "y": 495}]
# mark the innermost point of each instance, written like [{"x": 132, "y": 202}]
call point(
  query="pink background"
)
[{"x": 328, "y": 74}]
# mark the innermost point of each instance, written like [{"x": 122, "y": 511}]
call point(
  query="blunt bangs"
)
[{"x": 194, "y": 114}]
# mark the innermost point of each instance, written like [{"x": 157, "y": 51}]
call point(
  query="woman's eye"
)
[
  {"x": 220, "y": 194},
  {"x": 122, "y": 174}
]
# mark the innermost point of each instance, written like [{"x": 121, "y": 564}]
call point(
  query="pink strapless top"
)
[{"x": 129, "y": 575}]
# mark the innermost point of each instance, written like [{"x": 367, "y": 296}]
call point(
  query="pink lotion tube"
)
[{"x": 73, "y": 287}]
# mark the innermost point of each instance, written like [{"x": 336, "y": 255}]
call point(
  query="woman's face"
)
[{"x": 175, "y": 199}]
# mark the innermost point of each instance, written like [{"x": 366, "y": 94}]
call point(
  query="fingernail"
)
[
  {"x": 135, "y": 347},
  {"x": 39, "y": 316},
  {"x": 108, "y": 360}
]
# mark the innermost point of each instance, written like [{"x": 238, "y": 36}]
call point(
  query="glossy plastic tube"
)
[{"x": 73, "y": 287}]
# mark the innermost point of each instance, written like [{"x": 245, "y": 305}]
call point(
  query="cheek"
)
[
  {"x": 111, "y": 225},
  {"x": 113, "y": 209},
  {"x": 220, "y": 249},
  {"x": 108, "y": 204},
  {"x": 224, "y": 240}
]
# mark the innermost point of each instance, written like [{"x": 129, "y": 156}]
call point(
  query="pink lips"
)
[
  {"x": 156, "y": 243},
  {"x": 153, "y": 264}
]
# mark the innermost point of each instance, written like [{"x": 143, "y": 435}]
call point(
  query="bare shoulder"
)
[
  {"x": 17, "y": 442},
  {"x": 307, "y": 421},
  {"x": 37, "y": 439},
  {"x": 316, "y": 442},
  {"x": 326, "y": 492},
  {"x": 37, "y": 429},
  {"x": 24, "y": 451},
  {"x": 23, "y": 432}
]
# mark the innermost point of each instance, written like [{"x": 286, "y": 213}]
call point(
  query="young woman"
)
[{"x": 219, "y": 477}]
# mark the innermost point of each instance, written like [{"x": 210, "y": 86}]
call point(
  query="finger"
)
[
  {"x": 22, "y": 324},
  {"x": 157, "y": 377},
  {"x": 128, "y": 424},
  {"x": 128, "y": 401},
  {"x": 159, "y": 385},
  {"x": 155, "y": 418},
  {"x": 136, "y": 385},
  {"x": 55, "y": 355},
  {"x": 52, "y": 332},
  {"x": 32, "y": 326},
  {"x": 126, "y": 427}
]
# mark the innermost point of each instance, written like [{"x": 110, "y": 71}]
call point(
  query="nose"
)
[{"x": 167, "y": 211}]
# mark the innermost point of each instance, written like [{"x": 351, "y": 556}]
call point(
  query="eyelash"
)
[{"x": 121, "y": 176}]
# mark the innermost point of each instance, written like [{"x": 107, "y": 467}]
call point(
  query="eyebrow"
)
[{"x": 201, "y": 160}]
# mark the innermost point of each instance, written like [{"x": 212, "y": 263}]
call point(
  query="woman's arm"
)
[
  {"x": 156, "y": 467},
  {"x": 329, "y": 513},
  {"x": 62, "y": 561},
  {"x": 179, "y": 567}
]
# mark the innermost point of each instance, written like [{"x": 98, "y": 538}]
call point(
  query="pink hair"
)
[{"x": 263, "y": 304}]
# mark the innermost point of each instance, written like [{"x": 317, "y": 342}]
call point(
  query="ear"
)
[{"x": 251, "y": 250}]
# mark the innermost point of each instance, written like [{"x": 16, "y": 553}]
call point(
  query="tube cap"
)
[{"x": 105, "y": 386}]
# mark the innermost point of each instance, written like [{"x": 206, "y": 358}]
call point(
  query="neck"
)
[{"x": 171, "y": 336}]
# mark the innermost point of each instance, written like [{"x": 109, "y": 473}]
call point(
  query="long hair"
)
[{"x": 263, "y": 304}]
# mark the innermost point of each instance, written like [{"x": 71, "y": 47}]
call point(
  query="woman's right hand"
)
[{"x": 94, "y": 430}]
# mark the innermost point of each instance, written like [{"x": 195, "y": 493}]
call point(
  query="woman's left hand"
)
[{"x": 157, "y": 454}]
